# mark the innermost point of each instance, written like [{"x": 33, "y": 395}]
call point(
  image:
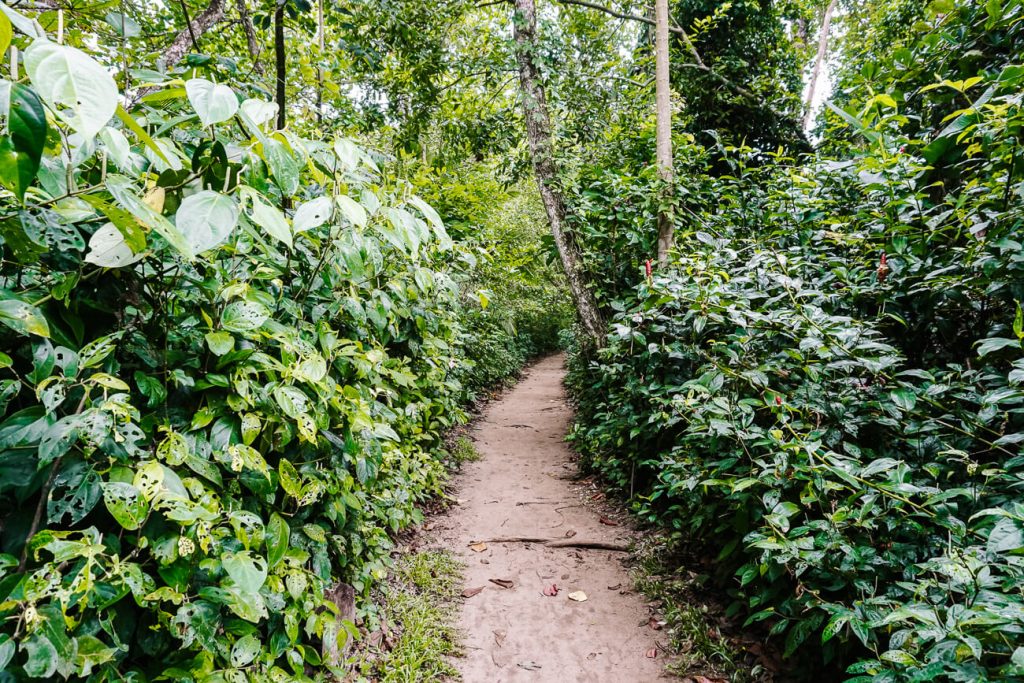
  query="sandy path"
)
[{"x": 521, "y": 488}]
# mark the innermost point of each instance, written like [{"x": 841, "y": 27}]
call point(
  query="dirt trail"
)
[{"x": 522, "y": 488}]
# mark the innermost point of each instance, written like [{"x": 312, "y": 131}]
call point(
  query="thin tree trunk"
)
[
  {"x": 826, "y": 24},
  {"x": 250, "y": 35},
  {"x": 538, "y": 134},
  {"x": 320, "y": 72},
  {"x": 193, "y": 30},
  {"x": 663, "y": 107},
  {"x": 280, "y": 64}
]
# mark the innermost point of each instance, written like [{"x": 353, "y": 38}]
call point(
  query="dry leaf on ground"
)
[
  {"x": 608, "y": 522},
  {"x": 551, "y": 591},
  {"x": 652, "y": 653},
  {"x": 470, "y": 592},
  {"x": 478, "y": 547},
  {"x": 578, "y": 596},
  {"x": 504, "y": 583}
]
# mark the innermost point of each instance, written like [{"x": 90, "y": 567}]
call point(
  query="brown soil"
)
[{"x": 523, "y": 487}]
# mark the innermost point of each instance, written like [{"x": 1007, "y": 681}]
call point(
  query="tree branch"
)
[{"x": 250, "y": 35}]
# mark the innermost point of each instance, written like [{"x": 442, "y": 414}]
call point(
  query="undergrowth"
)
[{"x": 421, "y": 605}]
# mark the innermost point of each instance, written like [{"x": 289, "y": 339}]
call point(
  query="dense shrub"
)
[
  {"x": 825, "y": 386},
  {"x": 214, "y": 410}
]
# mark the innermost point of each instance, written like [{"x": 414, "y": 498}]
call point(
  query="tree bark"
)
[
  {"x": 663, "y": 112},
  {"x": 826, "y": 24},
  {"x": 280, "y": 65},
  {"x": 538, "y": 134},
  {"x": 250, "y": 35},
  {"x": 196, "y": 28}
]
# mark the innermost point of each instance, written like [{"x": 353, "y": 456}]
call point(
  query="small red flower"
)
[
  {"x": 883, "y": 268},
  {"x": 647, "y": 268},
  {"x": 778, "y": 400}
]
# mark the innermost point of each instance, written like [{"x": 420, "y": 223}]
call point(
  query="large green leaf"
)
[
  {"x": 248, "y": 571},
  {"x": 108, "y": 248},
  {"x": 271, "y": 219},
  {"x": 244, "y": 316},
  {"x": 312, "y": 214},
  {"x": 21, "y": 151},
  {"x": 283, "y": 166},
  {"x": 23, "y": 318},
  {"x": 215, "y": 103},
  {"x": 76, "y": 86},
  {"x": 75, "y": 492},
  {"x": 278, "y": 533},
  {"x": 206, "y": 219}
]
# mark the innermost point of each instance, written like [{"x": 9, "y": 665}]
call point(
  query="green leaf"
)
[
  {"x": 128, "y": 225},
  {"x": 7, "y": 649},
  {"x": 23, "y": 318},
  {"x": 246, "y": 570},
  {"x": 245, "y": 650},
  {"x": 904, "y": 398},
  {"x": 278, "y": 533},
  {"x": 21, "y": 151},
  {"x": 220, "y": 342},
  {"x": 312, "y": 214},
  {"x": 997, "y": 343},
  {"x": 42, "y": 657},
  {"x": 215, "y": 103},
  {"x": 1006, "y": 536},
  {"x": 206, "y": 220},
  {"x": 77, "y": 87},
  {"x": 108, "y": 248},
  {"x": 291, "y": 482},
  {"x": 126, "y": 504},
  {"x": 6, "y": 33},
  {"x": 76, "y": 491},
  {"x": 352, "y": 210},
  {"x": 292, "y": 401},
  {"x": 270, "y": 219},
  {"x": 244, "y": 316},
  {"x": 132, "y": 125},
  {"x": 283, "y": 166}
]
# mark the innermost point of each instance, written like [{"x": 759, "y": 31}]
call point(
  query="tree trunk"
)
[
  {"x": 320, "y": 28},
  {"x": 280, "y": 65},
  {"x": 196, "y": 28},
  {"x": 663, "y": 107},
  {"x": 250, "y": 35},
  {"x": 538, "y": 134},
  {"x": 826, "y": 24}
]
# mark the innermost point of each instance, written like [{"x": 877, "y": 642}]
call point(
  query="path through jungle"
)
[{"x": 523, "y": 487}]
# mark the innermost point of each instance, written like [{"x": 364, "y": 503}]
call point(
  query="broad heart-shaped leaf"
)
[
  {"x": 126, "y": 504},
  {"x": 213, "y": 102},
  {"x": 128, "y": 225},
  {"x": 124, "y": 194},
  {"x": 107, "y": 248},
  {"x": 206, "y": 219},
  {"x": 21, "y": 151},
  {"x": 312, "y": 214},
  {"x": 244, "y": 316},
  {"x": 259, "y": 111},
  {"x": 76, "y": 86},
  {"x": 220, "y": 342},
  {"x": 23, "y": 318},
  {"x": 271, "y": 219},
  {"x": 248, "y": 571}
]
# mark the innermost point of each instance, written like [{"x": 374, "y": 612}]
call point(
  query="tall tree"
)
[
  {"x": 538, "y": 134},
  {"x": 819, "y": 60},
  {"x": 663, "y": 106}
]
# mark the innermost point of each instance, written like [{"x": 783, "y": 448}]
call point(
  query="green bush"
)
[
  {"x": 227, "y": 366},
  {"x": 825, "y": 387}
]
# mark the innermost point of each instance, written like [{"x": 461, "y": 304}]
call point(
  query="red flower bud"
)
[
  {"x": 778, "y": 400},
  {"x": 647, "y": 268},
  {"x": 883, "y": 268}
]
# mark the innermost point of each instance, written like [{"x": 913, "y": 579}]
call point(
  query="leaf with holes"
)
[
  {"x": 125, "y": 504},
  {"x": 76, "y": 490},
  {"x": 244, "y": 316},
  {"x": 246, "y": 570}
]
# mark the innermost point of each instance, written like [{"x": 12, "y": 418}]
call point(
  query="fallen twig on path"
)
[{"x": 562, "y": 543}]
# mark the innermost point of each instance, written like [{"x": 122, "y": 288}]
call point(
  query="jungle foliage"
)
[{"x": 824, "y": 389}]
